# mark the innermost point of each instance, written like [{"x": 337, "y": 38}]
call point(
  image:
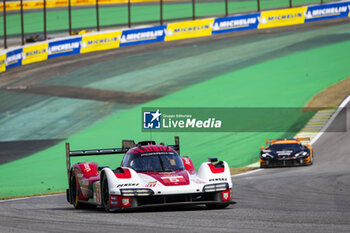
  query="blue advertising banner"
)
[
  {"x": 235, "y": 23},
  {"x": 327, "y": 11},
  {"x": 14, "y": 58},
  {"x": 64, "y": 47},
  {"x": 142, "y": 35}
]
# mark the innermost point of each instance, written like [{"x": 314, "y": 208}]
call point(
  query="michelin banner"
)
[
  {"x": 13, "y": 58},
  {"x": 327, "y": 11},
  {"x": 284, "y": 17},
  {"x": 189, "y": 29},
  {"x": 64, "y": 47},
  {"x": 34, "y": 53},
  {"x": 235, "y": 23},
  {"x": 173, "y": 31},
  {"x": 142, "y": 35},
  {"x": 101, "y": 41},
  {"x": 2, "y": 62}
]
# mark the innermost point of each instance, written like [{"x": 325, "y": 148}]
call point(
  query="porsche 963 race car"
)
[
  {"x": 286, "y": 152},
  {"x": 149, "y": 175}
]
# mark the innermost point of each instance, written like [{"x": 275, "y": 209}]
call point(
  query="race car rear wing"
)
[
  {"x": 297, "y": 139},
  {"x": 303, "y": 139},
  {"x": 126, "y": 145}
]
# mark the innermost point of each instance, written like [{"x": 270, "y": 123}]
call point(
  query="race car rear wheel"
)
[
  {"x": 105, "y": 194},
  {"x": 74, "y": 192}
]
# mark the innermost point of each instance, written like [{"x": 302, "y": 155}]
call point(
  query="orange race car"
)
[{"x": 286, "y": 152}]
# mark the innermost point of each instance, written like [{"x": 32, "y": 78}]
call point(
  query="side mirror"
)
[
  {"x": 262, "y": 147},
  {"x": 212, "y": 160},
  {"x": 127, "y": 144}
]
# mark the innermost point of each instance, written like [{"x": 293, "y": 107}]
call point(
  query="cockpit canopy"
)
[{"x": 153, "y": 158}]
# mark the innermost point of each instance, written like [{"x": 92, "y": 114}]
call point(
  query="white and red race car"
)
[{"x": 150, "y": 175}]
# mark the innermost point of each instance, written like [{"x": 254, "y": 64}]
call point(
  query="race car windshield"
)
[
  {"x": 292, "y": 146},
  {"x": 154, "y": 162}
]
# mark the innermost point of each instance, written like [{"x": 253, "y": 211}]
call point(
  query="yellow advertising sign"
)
[
  {"x": 2, "y": 62},
  {"x": 16, "y": 5},
  {"x": 103, "y": 41},
  {"x": 190, "y": 29},
  {"x": 284, "y": 17},
  {"x": 34, "y": 53}
]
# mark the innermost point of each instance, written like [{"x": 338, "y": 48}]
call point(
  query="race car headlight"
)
[
  {"x": 136, "y": 192},
  {"x": 303, "y": 153},
  {"x": 267, "y": 155},
  {"x": 215, "y": 187}
]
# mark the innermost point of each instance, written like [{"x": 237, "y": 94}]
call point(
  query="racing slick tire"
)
[
  {"x": 105, "y": 194},
  {"x": 74, "y": 193},
  {"x": 311, "y": 161}
]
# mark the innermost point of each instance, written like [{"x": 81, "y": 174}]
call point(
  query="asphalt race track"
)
[{"x": 301, "y": 199}]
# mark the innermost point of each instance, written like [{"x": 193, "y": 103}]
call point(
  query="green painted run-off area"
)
[{"x": 288, "y": 81}]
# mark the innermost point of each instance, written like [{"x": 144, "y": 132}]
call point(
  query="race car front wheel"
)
[
  {"x": 105, "y": 194},
  {"x": 311, "y": 160}
]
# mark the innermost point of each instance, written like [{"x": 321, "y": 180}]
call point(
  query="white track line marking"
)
[
  {"x": 247, "y": 173},
  {"x": 342, "y": 105},
  {"x": 24, "y": 198}
]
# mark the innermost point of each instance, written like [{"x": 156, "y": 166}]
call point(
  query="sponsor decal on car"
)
[
  {"x": 126, "y": 201},
  {"x": 217, "y": 179},
  {"x": 114, "y": 200},
  {"x": 173, "y": 179},
  {"x": 284, "y": 152},
  {"x": 151, "y": 184},
  {"x": 87, "y": 167},
  {"x": 226, "y": 195},
  {"x": 128, "y": 185}
]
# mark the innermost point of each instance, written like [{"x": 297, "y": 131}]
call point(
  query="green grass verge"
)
[
  {"x": 118, "y": 15},
  {"x": 286, "y": 82}
]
